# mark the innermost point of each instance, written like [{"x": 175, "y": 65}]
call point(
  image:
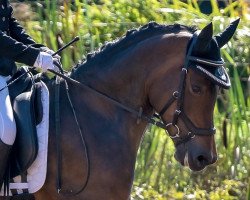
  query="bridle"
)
[
  {"x": 155, "y": 119},
  {"x": 178, "y": 96}
]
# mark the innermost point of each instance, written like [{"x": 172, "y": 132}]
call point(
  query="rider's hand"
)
[
  {"x": 44, "y": 61},
  {"x": 57, "y": 65},
  {"x": 56, "y": 58},
  {"x": 51, "y": 52}
]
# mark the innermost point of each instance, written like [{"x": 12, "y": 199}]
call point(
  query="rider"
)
[{"x": 16, "y": 46}]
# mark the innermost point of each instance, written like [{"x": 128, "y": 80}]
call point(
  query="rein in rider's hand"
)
[
  {"x": 45, "y": 61},
  {"x": 52, "y": 62}
]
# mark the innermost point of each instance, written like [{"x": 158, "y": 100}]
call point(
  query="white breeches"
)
[{"x": 7, "y": 121}]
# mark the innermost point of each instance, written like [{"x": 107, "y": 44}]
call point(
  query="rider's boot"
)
[{"x": 4, "y": 155}]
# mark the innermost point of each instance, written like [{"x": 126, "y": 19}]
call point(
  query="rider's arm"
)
[
  {"x": 18, "y": 33},
  {"x": 17, "y": 51},
  {"x": 20, "y": 47}
]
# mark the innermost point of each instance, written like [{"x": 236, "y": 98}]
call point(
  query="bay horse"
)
[{"x": 167, "y": 75}]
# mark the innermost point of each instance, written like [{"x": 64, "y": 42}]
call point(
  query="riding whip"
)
[{"x": 59, "y": 66}]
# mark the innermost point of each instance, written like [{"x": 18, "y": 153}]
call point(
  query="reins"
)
[
  {"x": 139, "y": 114},
  {"x": 155, "y": 119},
  {"x": 58, "y": 139}
]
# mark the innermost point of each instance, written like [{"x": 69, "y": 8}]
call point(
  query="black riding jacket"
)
[{"x": 15, "y": 44}]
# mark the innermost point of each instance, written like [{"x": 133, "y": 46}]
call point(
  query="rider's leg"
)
[{"x": 7, "y": 127}]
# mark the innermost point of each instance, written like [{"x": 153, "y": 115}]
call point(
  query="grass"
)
[{"x": 158, "y": 175}]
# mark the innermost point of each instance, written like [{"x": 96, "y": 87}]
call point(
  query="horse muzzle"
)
[{"x": 194, "y": 157}]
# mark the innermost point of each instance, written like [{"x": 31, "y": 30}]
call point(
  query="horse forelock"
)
[{"x": 106, "y": 52}]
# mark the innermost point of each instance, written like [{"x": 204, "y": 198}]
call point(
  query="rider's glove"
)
[
  {"x": 44, "y": 61},
  {"x": 56, "y": 58},
  {"x": 51, "y": 52}
]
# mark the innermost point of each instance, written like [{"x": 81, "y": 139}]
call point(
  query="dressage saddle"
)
[{"x": 25, "y": 95}]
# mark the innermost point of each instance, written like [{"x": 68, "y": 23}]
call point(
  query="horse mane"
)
[{"x": 104, "y": 54}]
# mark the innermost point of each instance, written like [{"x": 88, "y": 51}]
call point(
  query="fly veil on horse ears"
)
[{"x": 205, "y": 55}]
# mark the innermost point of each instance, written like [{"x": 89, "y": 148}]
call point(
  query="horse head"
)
[{"x": 188, "y": 114}]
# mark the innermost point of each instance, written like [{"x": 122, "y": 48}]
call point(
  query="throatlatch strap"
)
[{"x": 164, "y": 109}]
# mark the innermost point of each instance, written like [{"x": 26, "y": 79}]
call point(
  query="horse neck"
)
[
  {"x": 113, "y": 134},
  {"x": 129, "y": 77},
  {"x": 123, "y": 80}
]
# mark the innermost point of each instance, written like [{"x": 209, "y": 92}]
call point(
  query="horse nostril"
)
[{"x": 202, "y": 160}]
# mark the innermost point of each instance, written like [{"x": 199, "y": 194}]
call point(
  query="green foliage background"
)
[{"x": 158, "y": 175}]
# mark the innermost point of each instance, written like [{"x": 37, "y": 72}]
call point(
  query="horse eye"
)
[{"x": 196, "y": 89}]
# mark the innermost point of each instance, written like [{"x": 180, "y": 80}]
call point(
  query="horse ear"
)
[
  {"x": 204, "y": 38},
  {"x": 227, "y": 34}
]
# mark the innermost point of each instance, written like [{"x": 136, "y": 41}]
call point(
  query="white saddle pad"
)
[{"x": 36, "y": 174}]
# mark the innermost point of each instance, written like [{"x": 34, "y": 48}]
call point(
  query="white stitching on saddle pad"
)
[{"x": 37, "y": 171}]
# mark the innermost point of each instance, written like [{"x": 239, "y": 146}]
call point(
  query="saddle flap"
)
[{"x": 25, "y": 147}]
